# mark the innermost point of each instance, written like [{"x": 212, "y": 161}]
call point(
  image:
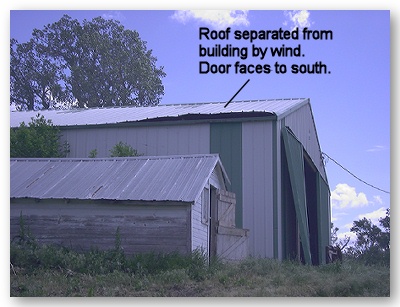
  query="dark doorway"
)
[
  {"x": 291, "y": 240},
  {"x": 302, "y": 194},
  {"x": 212, "y": 248},
  {"x": 310, "y": 174}
]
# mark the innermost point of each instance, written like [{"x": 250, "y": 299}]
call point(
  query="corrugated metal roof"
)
[
  {"x": 97, "y": 116},
  {"x": 163, "y": 178}
]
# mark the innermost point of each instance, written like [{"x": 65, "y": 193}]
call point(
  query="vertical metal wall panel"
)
[
  {"x": 226, "y": 140},
  {"x": 92, "y": 138},
  {"x": 258, "y": 187},
  {"x": 295, "y": 159},
  {"x": 277, "y": 175},
  {"x": 302, "y": 124},
  {"x": 324, "y": 217},
  {"x": 154, "y": 140}
]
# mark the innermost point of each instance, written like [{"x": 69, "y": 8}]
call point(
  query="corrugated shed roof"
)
[
  {"x": 163, "y": 178},
  {"x": 98, "y": 116}
]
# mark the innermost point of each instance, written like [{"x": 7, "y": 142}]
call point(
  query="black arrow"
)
[{"x": 236, "y": 93}]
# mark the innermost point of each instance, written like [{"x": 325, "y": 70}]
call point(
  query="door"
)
[{"x": 295, "y": 162}]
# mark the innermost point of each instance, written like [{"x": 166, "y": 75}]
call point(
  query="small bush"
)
[
  {"x": 93, "y": 153},
  {"x": 38, "y": 139},
  {"x": 123, "y": 150}
]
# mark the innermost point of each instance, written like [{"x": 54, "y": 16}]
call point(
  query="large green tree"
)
[
  {"x": 95, "y": 63},
  {"x": 35, "y": 78}
]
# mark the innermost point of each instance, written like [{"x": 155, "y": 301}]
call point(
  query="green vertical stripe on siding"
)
[
  {"x": 324, "y": 217},
  {"x": 226, "y": 140},
  {"x": 275, "y": 183}
]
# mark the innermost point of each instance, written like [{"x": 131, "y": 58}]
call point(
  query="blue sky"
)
[{"x": 351, "y": 105}]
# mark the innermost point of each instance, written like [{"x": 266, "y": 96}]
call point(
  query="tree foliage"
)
[
  {"x": 373, "y": 242},
  {"x": 335, "y": 241},
  {"x": 39, "y": 139},
  {"x": 95, "y": 63}
]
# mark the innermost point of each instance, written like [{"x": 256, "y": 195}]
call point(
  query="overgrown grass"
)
[
  {"x": 32, "y": 258},
  {"x": 51, "y": 271}
]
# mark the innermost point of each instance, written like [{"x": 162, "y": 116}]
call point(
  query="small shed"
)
[{"x": 158, "y": 204}]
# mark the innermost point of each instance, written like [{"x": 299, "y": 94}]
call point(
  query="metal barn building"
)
[
  {"x": 269, "y": 148},
  {"x": 157, "y": 204}
]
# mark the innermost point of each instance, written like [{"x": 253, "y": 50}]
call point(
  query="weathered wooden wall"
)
[
  {"x": 199, "y": 229},
  {"x": 82, "y": 225}
]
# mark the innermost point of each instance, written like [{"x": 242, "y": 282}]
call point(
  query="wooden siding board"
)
[
  {"x": 258, "y": 187},
  {"x": 84, "y": 225},
  {"x": 199, "y": 234}
]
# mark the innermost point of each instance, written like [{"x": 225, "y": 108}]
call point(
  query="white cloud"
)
[
  {"x": 374, "y": 216},
  {"x": 117, "y": 15},
  {"x": 345, "y": 196},
  {"x": 298, "y": 19},
  {"x": 376, "y": 148},
  {"x": 337, "y": 217},
  {"x": 348, "y": 234},
  {"x": 348, "y": 226},
  {"x": 378, "y": 199},
  {"x": 218, "y": 19}
]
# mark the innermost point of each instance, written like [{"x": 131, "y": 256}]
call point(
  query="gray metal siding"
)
[
  {"x": 302, "y": 124},
  {"x": 147, "y": 140},
  {"x": 277, "y": 175},
  {"x": 258, "y": 187}
]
